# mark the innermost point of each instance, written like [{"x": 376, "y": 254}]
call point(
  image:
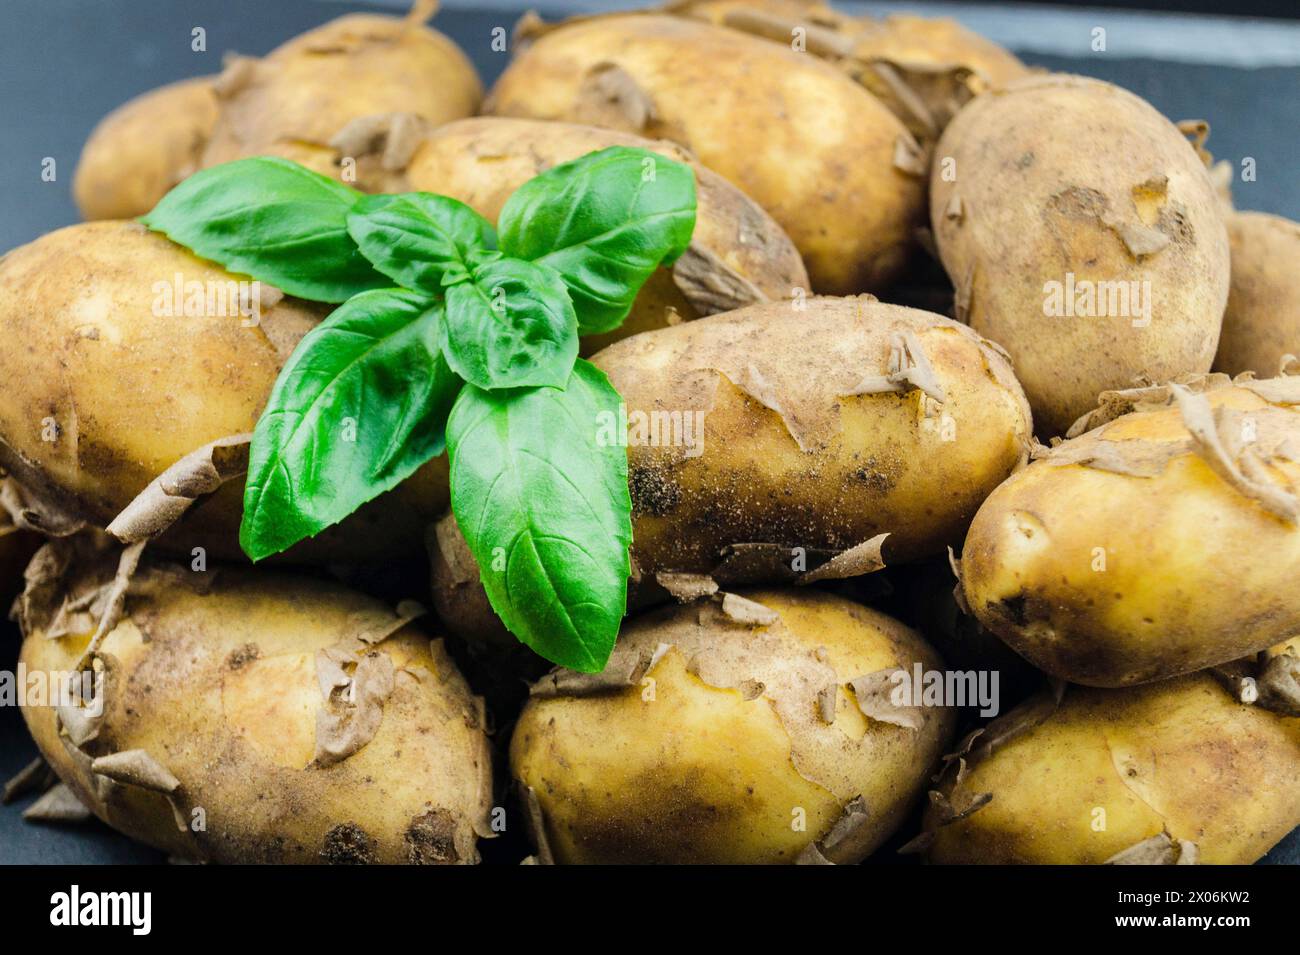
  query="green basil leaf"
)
[
  {"x": 271, "y": 219},
  {"x": 511, "y": 326},
  {"x": 362, "y": 402},
  {"x": 544, "y": 506},
  {"x": 419, "y": 240},
  {"x": 605, "y": 222}
]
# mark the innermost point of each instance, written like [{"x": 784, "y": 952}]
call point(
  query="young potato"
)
[
  {"x": 1083, "y": 234},
  {"x": 1177, "y": 768},
  {"x": 143, "y": 148},
  {"x": 114, "y": 382},
  {"x": 811, "y": 146},
  {"x": 924, "y": 69},
  {"x": 254, "y": 717},
  {"x": 738, "y": 255},
  {"x": 1162, "y": 541},
  {"x": 295, "y": 101},
  {"x": 815, "y": 426},
  {"x": 1261, "y": 325},
  {"x": 742, "y": 730}
]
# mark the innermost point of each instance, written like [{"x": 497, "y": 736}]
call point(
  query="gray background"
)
[{"x": 64, "y": 64}]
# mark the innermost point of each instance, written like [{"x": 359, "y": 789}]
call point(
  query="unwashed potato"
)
[
  {"x": 143, "y": 148},
  {"x": 824, "y": 425},
  {"x": 1162, "y": 541},
  {"x": 1178, "y": 768},
  {"x": 811, "y": 146},
  {"x": 1262, "y": 322},
  {"x": 922, "y": 68},
  {"x": 1062, "y": 186},
  {"x": 295, "y": 101},
  {"x": 732, "y": 732},
  {"x": 255, "y": 717},
  {"x": 738, "y": 254},
  {"x": 111, "y": 382}
]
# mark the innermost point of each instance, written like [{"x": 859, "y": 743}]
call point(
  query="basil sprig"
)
[{"x": 458, "y": 335}]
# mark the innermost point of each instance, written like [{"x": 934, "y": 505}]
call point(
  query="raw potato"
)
[
  {"x": 1062, "y": 179},
  {"x": 738, "y": 255},
  {"x": 1261, "y": 325},
  {"x": 812, "y": 147},
  {"x": 214, "y": 711},
  {"x": 816, "y": 433},
  {"x": 108, "y": 390},
  {"x": 1168, "y": 764},
  {"x": 924, "y": 69},
  {"x": 723, "y": 726},
  {"x": 143, "y": 148},
  {"x": 1136, "y": 552},
  {"x": 296, "y": 100}
]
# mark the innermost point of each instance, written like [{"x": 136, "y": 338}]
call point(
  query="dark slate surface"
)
[{"x": 64, "y": 64}]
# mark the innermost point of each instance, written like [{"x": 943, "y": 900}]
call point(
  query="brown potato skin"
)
[
  {"x": 677, "y": 770},
  {"x": 1180, "y": 756},
  {"x": 1195, "y": 573},
  {"x": 481, "y": 161},
  {"x": 305, "y": 91},
  {"x": 797, "y": 135},
  {"x": 878, "y": 465},
  {"x": 130, "y": 392},
  {"x": 1262, "y": 322},
  {"x": 1036, "y": 167},
  {"x": 143, "y": 148},
  {"x": 214, "y": 676}
]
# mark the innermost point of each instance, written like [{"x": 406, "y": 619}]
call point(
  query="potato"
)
[
  {"x": 1162, "y": 541},
  {"x": 1178, "y": 767},
  {"x": 1083, "y": 235},
  {"x": 143, "y": 148},
  {"x": 113, "y": 382},
  {"x": 812, "y": 147},
  {"x": 1262, "y": 322},
  {"x": 295, "y": 101},
  {"x": 732, "y": 732},
  {"x": 821, "y": 429},
  {"x": 922, "y": 68},
  {"x": 738, "y": 255},
  {"x": 255, "y": 717}
]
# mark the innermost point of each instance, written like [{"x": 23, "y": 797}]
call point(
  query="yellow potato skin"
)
[
  {"x": 1180, "y": 756},
  {"x": 304, "y": 92},
  {"x": 1262, "y": 321},
  {"x": 1195, "y": 573},
  {"x": 127, "y": 390},
  {"x": 214, "y": 676},
  {"x": 795, "y": 134},
  {"x": 696, "y": 774},
  {"x": 1022, "y": 181},
  {"x": 143, "y": 148},
  {"x": 880, "y": 464},
  {"x": 482, "y": 161}
]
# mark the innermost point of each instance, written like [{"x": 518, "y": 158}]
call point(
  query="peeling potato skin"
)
[
  {"x": 878, "y": 466},
  {"x": 742, "y": 105},
  {"x": 305, "y": 91},
  {"x": 1262, "y": 320},
  {"x": 1196, "y": 573},
  {"x": 221, "y": 689},
  {"x": 1180, "y": 756},
  {"x": 132, "y": 392},
  {"x": 1033, "y": 163},
  {"x": 143, "y": 148},
  {"x": 698, "y": 774},
  {"x": 481, "y": 161}
]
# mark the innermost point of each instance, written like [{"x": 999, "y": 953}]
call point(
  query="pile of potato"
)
[{"x": 1098, "y": 444}]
